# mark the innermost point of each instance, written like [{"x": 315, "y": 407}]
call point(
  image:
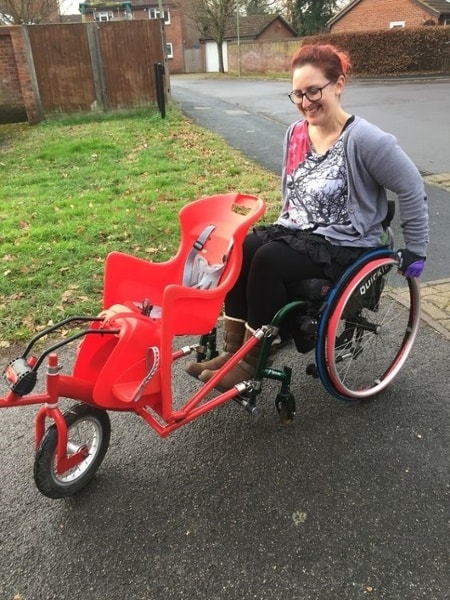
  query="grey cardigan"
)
[{"x": 376, "y": 163}]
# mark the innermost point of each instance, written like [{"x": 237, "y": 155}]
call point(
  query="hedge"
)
[{"x": 393, "y": 51}]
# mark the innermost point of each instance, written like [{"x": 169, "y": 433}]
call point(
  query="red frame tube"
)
[
  {"x": 59, "y": 385},
  {"x": 182, "y": 414}
]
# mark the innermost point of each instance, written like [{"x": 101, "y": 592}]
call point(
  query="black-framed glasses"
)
[{"x": 313, "y": 94}]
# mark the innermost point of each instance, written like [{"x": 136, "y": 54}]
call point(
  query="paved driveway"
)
[{"x": 351, "y": 502}]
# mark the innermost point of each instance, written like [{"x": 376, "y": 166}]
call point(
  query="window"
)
[
  {"x": 169, "y": 50},
  {"x": 397, "y": 24},
  {"x": 105, "y": 15},
  {"x": 154, "y": 13}
]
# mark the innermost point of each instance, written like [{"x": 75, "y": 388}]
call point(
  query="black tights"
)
[{"x": 267, "y": 269}]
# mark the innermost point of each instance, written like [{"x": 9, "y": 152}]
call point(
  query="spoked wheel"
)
[
  {"x": 89, "y": 431},
  {"x": 370, "y": 331}
]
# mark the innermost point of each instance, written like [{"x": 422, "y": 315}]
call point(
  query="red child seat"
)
[{"x": 184, "y": 310}]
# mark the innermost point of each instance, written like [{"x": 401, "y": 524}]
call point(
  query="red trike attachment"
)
[{"x": 124, "y": 362}]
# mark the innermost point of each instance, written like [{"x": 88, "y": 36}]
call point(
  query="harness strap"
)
[{"x": 197, "y": 246}]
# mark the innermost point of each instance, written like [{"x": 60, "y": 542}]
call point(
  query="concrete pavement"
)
[{"x": 435, "y": 297}]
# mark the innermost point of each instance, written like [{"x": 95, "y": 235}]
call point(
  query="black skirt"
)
[{"x": 333, "y": 259}]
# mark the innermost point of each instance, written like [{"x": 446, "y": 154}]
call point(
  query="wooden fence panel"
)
[
  {"x": 63, "y": 67},
  {"x": 129, "y": 55}
]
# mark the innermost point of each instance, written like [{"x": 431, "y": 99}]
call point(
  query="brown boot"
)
[
  {"x": 233, "y": 336},
  {"x": 245, "y": 369}
]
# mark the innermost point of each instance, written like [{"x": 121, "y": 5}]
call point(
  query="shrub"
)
[{"x": 394, "y": 51}]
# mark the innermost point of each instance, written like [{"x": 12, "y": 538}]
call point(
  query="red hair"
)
[{"x": 332, "y": 61}]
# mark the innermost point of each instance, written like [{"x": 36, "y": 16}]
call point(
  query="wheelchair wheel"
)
[
  {"x": 88, "y": 429},
  {"x": 370, "y": 330}
]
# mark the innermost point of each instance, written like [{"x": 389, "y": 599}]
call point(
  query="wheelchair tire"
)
[
  {"x": 369, "y": 329},
  {"x": 87, "y": 427}
]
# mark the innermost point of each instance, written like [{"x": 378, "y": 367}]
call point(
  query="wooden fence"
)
[{"x": 92, "y": 66}]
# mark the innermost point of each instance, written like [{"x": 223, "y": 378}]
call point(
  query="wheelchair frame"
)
[
  {"x": 342, "y": 322},
  {"x": 324, "y": 315}
]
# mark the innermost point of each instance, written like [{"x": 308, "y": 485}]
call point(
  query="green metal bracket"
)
[{"x": 262, "y": 371}]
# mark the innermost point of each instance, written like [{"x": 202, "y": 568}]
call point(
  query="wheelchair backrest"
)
[{"x": 389, "y": 215}]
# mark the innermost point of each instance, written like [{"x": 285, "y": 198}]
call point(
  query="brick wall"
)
[
  {"x": 369, "y": 15},
  {"x": 174, "y": 35},
  {"x": 17, "y": 99},
  {"x": 262, "y": 57},
  {"x": 11, "y": 104}
]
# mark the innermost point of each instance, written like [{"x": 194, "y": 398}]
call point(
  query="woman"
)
[{"x": 336, "y": 170}]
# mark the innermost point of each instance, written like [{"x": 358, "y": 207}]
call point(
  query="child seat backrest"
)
[
  {"x": 221, "y": 223},
  {"x": 209, "y": 229}
]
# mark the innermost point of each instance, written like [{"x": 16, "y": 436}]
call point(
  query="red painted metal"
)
[{"x": 130, "y": 368}]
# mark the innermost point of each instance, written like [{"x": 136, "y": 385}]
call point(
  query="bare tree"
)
[
  {"x": 211, "y": 18},
  {"x": 285, "y": 8},
  {"x": 18, "y": 12},
  {"x": 260, "y": 7}
]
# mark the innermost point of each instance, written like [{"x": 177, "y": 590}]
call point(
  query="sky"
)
[{"x": 70, "y": 7}]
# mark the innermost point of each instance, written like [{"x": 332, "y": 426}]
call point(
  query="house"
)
[
  {"x": 185, "y": 51},
  {"x": 369, "y": 15},
  {"x": 259, "y": 27},
  {"x": 242, "y": 29}
]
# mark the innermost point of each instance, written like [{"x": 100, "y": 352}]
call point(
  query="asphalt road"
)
[
  {"x": 350, "y": 503},
  {"x": 253, "y": 114}
]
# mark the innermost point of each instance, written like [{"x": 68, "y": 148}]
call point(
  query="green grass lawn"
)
[{"x": 73, "y": 190}]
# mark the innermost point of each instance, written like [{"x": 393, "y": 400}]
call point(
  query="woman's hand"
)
[{"x": 410, "y": 264}]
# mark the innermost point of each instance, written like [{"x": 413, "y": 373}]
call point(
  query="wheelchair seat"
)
[
  {"x": 317, "y": 288},
  {"x": 310, "y": 289}
]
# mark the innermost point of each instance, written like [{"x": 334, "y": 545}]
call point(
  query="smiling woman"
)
[
  {"x": 336, "y": 168},
  {"x": 321, "y": 100}
]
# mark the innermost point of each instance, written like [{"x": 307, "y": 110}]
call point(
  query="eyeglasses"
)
[{"x": 313, "y": 94}]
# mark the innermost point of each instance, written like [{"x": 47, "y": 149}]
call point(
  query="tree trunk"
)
[{"x": 220, "y": 55}]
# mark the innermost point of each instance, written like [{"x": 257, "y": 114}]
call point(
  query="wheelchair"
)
[{"x": 361, "y": 332}]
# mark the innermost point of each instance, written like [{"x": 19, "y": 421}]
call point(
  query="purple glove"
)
[{"x": 410, "y": 264}]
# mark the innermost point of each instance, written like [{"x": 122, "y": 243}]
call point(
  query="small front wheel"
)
[
  {"x": 88, "y": 429},
  {"x": 285, "y": 405}
]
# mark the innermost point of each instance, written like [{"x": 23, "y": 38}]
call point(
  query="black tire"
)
[
  {"x": 87, "y": 426},
  {"x": 369, "y": 331}
]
